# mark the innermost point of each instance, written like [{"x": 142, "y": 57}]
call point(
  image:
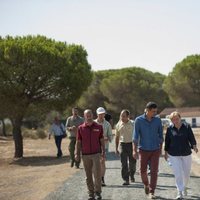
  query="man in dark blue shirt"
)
[{"x": 148, "y": 138}]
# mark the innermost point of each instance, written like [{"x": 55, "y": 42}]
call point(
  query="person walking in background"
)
[
  {"x": 72, "y": 124},
  {"x": 124, "y": 135},
  {"x": 107, "y": 133},
  {"x": 109, "y": 119},
  {"x": 148, "y": 137},
  {"x": 90, "y": 142},
  {"x": 179, "y": 140},
  {"x": 58, "y": 130}
]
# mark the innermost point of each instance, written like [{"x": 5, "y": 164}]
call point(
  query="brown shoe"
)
[{"x": 146, "y": 189}]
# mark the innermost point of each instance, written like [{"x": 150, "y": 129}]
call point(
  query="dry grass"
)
[{"x": 37, "y": 174}]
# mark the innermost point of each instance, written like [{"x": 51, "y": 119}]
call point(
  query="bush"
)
[
  {"x": 34, "y": 134},
  {"x": 41, "y": 133}
]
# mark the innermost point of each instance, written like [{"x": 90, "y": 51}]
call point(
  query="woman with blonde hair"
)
[{"x": 179, "y": 141}]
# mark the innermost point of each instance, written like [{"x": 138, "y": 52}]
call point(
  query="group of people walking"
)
[{"x": 142, "y": 139}]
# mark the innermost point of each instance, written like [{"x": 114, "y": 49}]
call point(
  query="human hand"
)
[
  {"x": 135, "y": 155},
  {"x": 103, "y": 156},
  {"x": 195, "y": 149},
  {"x": 166, "y": 156},
  {"x": 77, "y": 157},
  {"x": 117, "y": 152}
]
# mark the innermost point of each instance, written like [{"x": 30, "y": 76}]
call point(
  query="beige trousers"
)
[{"x": 92, "y": 168}]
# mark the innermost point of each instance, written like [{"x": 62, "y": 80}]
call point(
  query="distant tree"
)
[
  {"x": 35, "y": 70},
  {"x": 93, "y": 96},
  {"x": 132, "y": 88},
  {"x": 183, "y": 83}
]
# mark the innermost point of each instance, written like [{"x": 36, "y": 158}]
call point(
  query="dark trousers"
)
[
  {"x": 72, "y": 145},
  {"x": 58, "y": 140},
  {"x": 127, "y": 161}
]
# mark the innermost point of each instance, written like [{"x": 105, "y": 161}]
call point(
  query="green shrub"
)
[{"x": 41, "y": 133}]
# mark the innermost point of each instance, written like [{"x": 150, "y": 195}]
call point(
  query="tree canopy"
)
[
  {"x": 35, "y": 70},
  {"x": 129, "y": 88},
  {"x": 183, "y": 83}
]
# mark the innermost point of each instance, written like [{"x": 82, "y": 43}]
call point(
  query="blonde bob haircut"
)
[{"x": 173, "y": 114}]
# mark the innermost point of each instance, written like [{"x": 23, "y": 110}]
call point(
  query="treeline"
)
[{"x": 133, "y": 87}]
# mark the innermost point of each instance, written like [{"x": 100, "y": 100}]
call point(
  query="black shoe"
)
[
  {"x": 126, "y": 183},
  {"x": 98, "y": 196},
  {"x": 77, "y": 167},
  {"x": 72, "y": 163},
  {"x": 133, "y": 180},
  {"x": 91, "y": 197},
  {"x": 103, "y": 182}
]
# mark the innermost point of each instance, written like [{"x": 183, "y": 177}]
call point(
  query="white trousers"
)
[{"x": 181, "y": 166}]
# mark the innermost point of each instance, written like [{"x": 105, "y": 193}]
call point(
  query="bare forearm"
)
[
  {"x": 102, "y": 145},
  {"x": 135, "y": 147},
  {"x": 78, "y": 148},
  {"x": 116, "y": 142}
]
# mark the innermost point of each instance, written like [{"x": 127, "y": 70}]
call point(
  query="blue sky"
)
[{"x": 153, "y": 34}]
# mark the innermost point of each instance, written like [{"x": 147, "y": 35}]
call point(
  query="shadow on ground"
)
[
  {"x": 110, "y": 156},
  {"x": 40, "y": 161}
]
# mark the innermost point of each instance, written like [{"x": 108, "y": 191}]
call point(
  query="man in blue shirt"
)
[{"x": 148, "y": 138}]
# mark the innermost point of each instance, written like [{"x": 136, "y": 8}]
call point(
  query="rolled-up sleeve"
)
[
  {"x": 160, "y": 132},
  {"x": 136, "y": 132}
]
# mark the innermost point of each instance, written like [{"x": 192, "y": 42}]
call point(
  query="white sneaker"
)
[
  {"x": 179, "y": 196},
  {"x": 185, "y": 193}
]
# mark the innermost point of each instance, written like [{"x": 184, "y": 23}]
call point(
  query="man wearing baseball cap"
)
[{"x": 107, "y": 133}]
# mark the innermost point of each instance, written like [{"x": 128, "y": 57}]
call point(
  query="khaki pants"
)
[{"x": 92, "y": 168}]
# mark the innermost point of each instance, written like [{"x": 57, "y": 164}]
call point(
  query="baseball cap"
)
[{"x": 100, "y": 110}]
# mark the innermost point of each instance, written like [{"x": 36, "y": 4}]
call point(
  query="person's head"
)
[
  {"x": 175, "y": 117},
  {"x": 101, "y": 113},
  {"x": 124, "y": 115},
  {"x": 151, "y": 109},
  {"x": 56, "y": 119},
  {"x": 88, "y": 116},
  {"x": 75, "y": 111}
]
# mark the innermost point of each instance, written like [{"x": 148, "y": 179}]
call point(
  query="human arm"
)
[
  {"x": 50, "y": 132},
  {"x": 116, "y": 144},
  {"x": 117, "y": 135},
  {"x": 78, "y": 150},
  {"x": 109, "y": 133},
  {"x": 135, "y": 139},
  {"x": 167, "y": 143},
  {"x": 102, "y": 147},
  {"x": 67, "y": 125},
  {"x": 160, "y": 134},
  {"x": 195, "y": 148},
  {"x": 135, "y": 150},
  {"x": 192, "y": 139}
]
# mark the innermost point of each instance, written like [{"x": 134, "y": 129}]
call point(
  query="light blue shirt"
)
[
  {"x": 57, "y": 129},
  {"x": 148, "y": 135}
]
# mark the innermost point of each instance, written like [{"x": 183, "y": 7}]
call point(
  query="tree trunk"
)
[
  {"x": 17, "y": 136},
  {"x": 3, "y": 128}
]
